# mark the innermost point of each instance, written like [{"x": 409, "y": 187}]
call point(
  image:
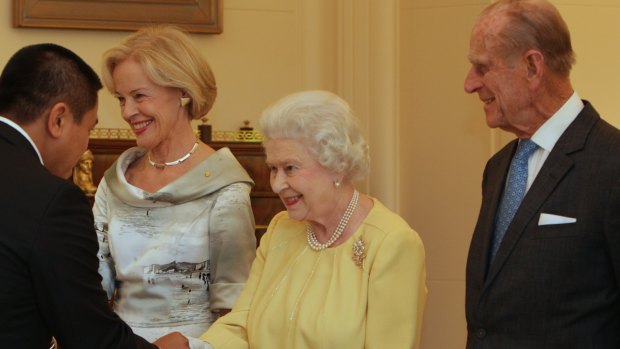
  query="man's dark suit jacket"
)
[
  {"x": 49, "y": 284},
  {"x": 552, "y": 286}
]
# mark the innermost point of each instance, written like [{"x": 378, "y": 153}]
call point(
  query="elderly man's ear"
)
[{"x": 535, "y": 62}]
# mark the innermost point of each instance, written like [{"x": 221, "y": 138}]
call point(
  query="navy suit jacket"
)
[
  {"x": 552, "y": 286},
  {"x": 48, "y": 260}
]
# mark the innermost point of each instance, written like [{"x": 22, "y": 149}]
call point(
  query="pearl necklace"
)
[
  {"x": 314, "y": 242},
  {"x": 161, "y": 165}
]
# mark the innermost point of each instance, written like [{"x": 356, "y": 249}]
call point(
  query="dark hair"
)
[{"x": 38, "y": 76}]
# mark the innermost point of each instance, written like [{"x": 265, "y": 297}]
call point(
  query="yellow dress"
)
[{"x": 297, "y": 298}]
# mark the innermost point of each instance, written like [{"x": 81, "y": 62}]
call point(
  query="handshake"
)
[{"x": 173, "y": 340}]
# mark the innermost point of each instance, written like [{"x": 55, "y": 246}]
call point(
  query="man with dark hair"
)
[
  {"x": 544, "y": 263},
  {"x": 48, "y": 246}
]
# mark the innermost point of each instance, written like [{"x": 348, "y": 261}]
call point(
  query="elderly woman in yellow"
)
[{"x": 337, "y": 269}]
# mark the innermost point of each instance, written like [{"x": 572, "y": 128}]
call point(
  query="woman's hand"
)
[{"x": 173, "y": 340}]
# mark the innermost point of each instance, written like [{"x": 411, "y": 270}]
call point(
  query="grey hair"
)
[
  {"x": 324, "y": 123},
  {"x": 534, "y": 24}
]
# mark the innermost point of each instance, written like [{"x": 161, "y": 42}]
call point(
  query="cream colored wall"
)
[
  {"x": 444, "y": 146},
  {"x": 401, "y": 64},
  {"x": 265, "y": 51},
  {"x": 368, "y": 78},
  {"x": 444, "y": 141}
]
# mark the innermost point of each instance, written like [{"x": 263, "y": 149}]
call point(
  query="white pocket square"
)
[{"x": 548, "y": 219}]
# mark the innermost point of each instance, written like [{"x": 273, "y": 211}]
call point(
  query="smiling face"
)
[
  {"x": 153, "y": 112},
  {"x": 501, "y": 83},
  {"x": 305, "y": 187}
]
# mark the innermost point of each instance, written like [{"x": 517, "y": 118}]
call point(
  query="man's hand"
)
[{"x": 173, "y": 340}]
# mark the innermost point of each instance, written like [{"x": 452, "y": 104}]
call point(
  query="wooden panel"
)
[
  {"x": 200, "y": 16},
  {"x": 265, "y": 203}
]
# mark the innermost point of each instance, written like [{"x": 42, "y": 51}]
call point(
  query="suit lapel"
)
[{"x": 557, "y": 165}]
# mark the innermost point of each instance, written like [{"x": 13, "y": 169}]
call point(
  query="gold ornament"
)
[{"x": 359, "y": 252}]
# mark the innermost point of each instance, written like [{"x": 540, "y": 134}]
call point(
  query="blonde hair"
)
[
  {"x": 169, "y": 59},
  {"x": 324, "y": 123}
]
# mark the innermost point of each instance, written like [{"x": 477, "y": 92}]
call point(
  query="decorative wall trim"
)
[
  {"x": 237, "y": 136},
  {"x": 245, "y": 136},
  {"x": 369, "y": 70},
  {"x": 111, "y": 133}
]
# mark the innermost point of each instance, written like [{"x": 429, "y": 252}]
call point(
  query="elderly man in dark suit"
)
[
  {"x": 48, "y": 246},
  {"x": 544, "y": 263}
]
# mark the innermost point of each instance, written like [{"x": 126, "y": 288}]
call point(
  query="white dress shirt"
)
[{"x": 548, "y": 134}]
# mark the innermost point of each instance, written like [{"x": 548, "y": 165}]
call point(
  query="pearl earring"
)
[
  {"x": 185, "y": 101},
  {"x": 336, "y": 183}
]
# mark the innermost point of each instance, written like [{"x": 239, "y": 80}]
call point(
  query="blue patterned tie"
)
[{"x": 514, "y": 192}]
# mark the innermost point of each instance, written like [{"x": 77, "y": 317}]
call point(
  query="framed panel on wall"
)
[{"x": 197, "y": 16}]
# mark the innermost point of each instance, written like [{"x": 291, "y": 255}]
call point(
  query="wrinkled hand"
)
[{"x": 174, "y": 340}]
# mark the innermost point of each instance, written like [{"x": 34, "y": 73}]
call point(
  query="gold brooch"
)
[{"x": 359, "y": 252}]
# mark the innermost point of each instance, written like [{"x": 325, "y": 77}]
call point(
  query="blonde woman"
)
[{"x": 173, "y": 216}]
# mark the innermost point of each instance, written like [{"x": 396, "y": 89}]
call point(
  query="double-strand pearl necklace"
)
[
  {"x": 161, "y": 165},
  {"x": 314, "y": 242}
]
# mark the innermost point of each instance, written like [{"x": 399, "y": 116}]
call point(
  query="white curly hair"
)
[{"x": 324, "y": 123}]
